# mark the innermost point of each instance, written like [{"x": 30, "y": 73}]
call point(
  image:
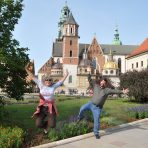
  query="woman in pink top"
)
[{"x": 46, "y": 107}]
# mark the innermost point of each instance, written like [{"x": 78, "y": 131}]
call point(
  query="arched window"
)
[
  {"x": 71, "y": 30},
  {"x": 119, "y": 65},
  {"x": 66, "y": 31},
  {"x": 94, "y": 63},
  {"x": 111, "y": 71},
  {"x": 58, "y": 60},
  {"x": 70, "y": 79},
  {"x": 70, "y": 53},
  {"x": 70, "y": 42}
]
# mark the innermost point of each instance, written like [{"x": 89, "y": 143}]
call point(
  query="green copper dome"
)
[{"x": 116, "y": 40}]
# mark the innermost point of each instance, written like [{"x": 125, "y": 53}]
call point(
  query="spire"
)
[
  {"x": 71, "y": 20},
  {"x": 116, "y": 40},
  {"x": 63, "y": 17},
  {"x": 110, "y": 56},
  {"x": 85, "y": 53}
]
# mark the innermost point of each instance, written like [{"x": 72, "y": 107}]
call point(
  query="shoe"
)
[
  {"x": 97, "y": 136},
  {"x": 45, "y": 131}
]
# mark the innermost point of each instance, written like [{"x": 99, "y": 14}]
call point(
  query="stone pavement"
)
[{"x": 131, "y": 135}]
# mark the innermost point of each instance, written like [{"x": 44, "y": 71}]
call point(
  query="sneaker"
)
[
  {"x": 97, "y": 136},
  {"x": 45, "y": 131}
]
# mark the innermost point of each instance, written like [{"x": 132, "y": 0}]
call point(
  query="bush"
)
[
  {"x": 111, "y": 121},
  {"x": 137, "y": 82},
  {"x": 69, "y": 130},
  {"x": 138, "y": 112},
  {"x": 11, "y": 137}
]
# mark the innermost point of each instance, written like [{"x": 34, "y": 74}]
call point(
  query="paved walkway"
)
[{"x": 132, "y": 135}]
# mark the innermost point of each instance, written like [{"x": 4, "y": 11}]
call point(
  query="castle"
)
[{"x": 82, "y": 59}]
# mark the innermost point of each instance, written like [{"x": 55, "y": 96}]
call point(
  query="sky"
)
[{"x": 37, "y": 29}]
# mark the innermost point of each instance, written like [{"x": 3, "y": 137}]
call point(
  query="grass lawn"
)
[
  {"x": 20, "y": 114},
  {"x": 117, "y": 108}
]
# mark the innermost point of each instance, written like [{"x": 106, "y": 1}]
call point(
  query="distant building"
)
[
  {"x": 83, "y": 58},
  {"x": 138, "y": 58}
]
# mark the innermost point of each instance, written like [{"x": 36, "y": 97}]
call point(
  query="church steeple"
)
[
  {"x": 116, "y": 40},
  {"x": 110, "y": 56},
  {"x": 64, "y": 16},
  {"x": 70, "y": 26}
]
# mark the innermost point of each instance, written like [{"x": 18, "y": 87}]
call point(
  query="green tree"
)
[
  {"x": 13, "y": 58},
  {"x": 137, "y": 82}
]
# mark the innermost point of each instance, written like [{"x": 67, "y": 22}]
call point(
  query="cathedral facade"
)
[{"x": 82, "y": 59}]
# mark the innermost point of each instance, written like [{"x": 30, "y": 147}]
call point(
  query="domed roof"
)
[{"x": 110, "y": 65}]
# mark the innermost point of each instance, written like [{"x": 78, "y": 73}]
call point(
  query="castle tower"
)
[
  {"x": 71, "y": 49},
  {"x": 70, "y": 41}
]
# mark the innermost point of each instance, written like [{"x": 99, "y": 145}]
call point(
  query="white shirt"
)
[{"x": 47, "y": 91}]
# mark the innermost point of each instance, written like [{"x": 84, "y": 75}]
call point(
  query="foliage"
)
[
  {"x": 138, "y": 112},
  {"x": 11, "y": 137},
  {"x": 68, "y": 130},
  {"x": 137, "y": 82},
  {"x": 111, "y": 121},
  {"x": 13, "y": 58}
]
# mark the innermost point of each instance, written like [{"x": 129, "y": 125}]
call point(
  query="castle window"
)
[
  {"x": 141, "y": 63},
  {"x": 106, "y": 71},
  {"x": 94, "y": 63},
  {"x": 132, "y": 66},
  {"x": 70, "y": 79},
  {"x": 70, "y": 53},
  {"x": 66, "y": 31},
  {"x": 70, "y": 42},
  {"x": 71, "y": 30},
  {"x": 136, "y": 64},
  {"x": 119, "y": 64},
  {"x": 111, "y": 71}
]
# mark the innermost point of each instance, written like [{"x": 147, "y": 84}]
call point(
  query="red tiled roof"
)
[{"x": 141, "y": 49}]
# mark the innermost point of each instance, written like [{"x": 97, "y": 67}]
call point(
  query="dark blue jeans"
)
[{"x": 96, "y": 115}]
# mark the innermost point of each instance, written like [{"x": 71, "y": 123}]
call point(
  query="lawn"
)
[{"x": 20, "y": 114}]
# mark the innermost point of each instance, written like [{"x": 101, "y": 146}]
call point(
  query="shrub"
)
[
  {"x": 53, "y": 135},
  {"x": 111, "y": 121},
  {"x": 138, "y": 112},
  {"x": 137, "y": 82},
  {"x": 69, "y": 130},
  {"x": 11, "y": 137}
]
